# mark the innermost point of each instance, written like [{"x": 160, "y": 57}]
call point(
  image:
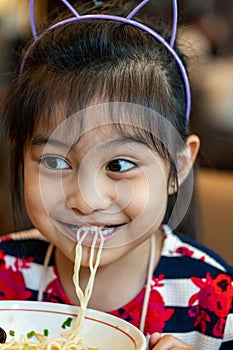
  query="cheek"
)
[
  {"x": 41, "y": 195},
  {"x": 148, "y": 202},
  {"x": 50, "y": 193},
  {"x": 32, "y": 196}
]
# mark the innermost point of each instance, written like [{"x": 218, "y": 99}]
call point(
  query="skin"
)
[
  {"x": 103, "y": 179},
  {"x": 166, "y": 342}
]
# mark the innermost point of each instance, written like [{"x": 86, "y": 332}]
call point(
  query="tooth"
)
[{"x": 105, "y": 230}]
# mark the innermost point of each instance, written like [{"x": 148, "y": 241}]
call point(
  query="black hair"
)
[{"x": 75, "y": 64}]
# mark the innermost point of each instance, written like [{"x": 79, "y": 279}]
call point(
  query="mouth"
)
[
  {"x": 75, "y": 232},
  {"x": 104, "y": 230}
]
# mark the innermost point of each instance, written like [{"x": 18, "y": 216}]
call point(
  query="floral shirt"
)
[{"x": 191, "y": 290}]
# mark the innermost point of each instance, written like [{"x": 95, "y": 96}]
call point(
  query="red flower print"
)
[
  {"x": 2, "y": 255},
  {"x": 2, "y": 261},
  {"x": 201, "y": 320},
  {"x": 215, "y": 295},
  {"x": 13, "y": 284},
  {"x": 23, "y": 263},
  {"x": 184, "y": 251},
  {"x": 6, "y": 238},
  {"x": 157, "y": 281},
  {"x": 219, "y": 327},
  {"x": 52, "y": 291},
  {"x": 157, "y": 314},
  {"x": 55, "y": 293}
]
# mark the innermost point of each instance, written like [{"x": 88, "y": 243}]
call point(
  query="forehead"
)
[
  {"x": 101, "y": 141},
  {"x": 130, "y": 121},
  {"x": 125, "y": 119},
  {"x": 105, "y": 136}
]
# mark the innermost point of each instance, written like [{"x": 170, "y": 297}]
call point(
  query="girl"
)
[{"x": 98, "y": 122}]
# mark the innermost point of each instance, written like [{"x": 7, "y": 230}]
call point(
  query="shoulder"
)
[
  {"x": 22, "y": 235},
  {"x": 192, "y": 257},
  {"x": 22, "y": 264},
  {"x": 196, "y": 284},
  {"x": 24, "y": 244}
]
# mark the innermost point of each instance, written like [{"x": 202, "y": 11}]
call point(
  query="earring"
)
[{"x": 172, "y": 186}]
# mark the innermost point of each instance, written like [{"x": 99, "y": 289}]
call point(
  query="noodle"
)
[{"x": 70, "y": 340}]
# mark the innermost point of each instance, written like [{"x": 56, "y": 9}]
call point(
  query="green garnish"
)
[
  {"x": 30, "y": 334},
  {"x": 11, "y": 332},
  {"x": 67, "y": 322},
  {"x": 46, "y": 332}
]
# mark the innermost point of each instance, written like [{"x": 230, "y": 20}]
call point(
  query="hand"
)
[{"x": 166, "y": 342}]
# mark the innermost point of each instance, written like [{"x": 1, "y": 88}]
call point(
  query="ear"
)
[{"x": 185, "y": 161}]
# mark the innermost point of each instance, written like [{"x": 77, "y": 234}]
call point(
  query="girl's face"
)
[{"x": 103, "y": 180}]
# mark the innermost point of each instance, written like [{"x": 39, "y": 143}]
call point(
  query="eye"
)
[
  {"x": 120, "y": 165},
  {"x": 55, "y": 163}
]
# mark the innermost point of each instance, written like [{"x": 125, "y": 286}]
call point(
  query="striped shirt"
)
[{"x": 191, "y": 291}]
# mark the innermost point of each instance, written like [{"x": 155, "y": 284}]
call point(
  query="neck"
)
[{"x": 116, "y": 283}]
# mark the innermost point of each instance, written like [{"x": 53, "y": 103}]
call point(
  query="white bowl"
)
[{"x": 100, "y": 330}]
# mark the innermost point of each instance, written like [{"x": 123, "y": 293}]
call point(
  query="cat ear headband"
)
[{"x": 126, "y": 20}]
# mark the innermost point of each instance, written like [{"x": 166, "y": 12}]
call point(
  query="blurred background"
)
[{"x": 206, "y": 37}]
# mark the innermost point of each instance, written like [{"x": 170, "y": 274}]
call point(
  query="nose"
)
[{"x": 88, "y": 193}]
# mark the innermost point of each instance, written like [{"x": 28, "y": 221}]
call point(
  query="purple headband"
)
[{"x": 127, "y": 20}]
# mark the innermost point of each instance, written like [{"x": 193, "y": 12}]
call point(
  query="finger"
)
[
  {"x": 169, "y": 342},
  {"x": 154, "y": 339}
]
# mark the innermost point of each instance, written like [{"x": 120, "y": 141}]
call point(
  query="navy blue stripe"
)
[
  {"x": 206, "y": 250},
  {"x": 181, "y": 322},
  {"x": 46, "y": 297},
  {"x": 26, "y": 248},
  {"x": 174, "y": 267},
  {"x": 34, "y": 295},
  {"x": 227, "y": 345}
]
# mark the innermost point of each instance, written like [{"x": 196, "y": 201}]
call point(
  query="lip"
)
[{"x": 70, "y": 231}]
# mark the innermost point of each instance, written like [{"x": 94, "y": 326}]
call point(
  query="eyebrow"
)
[{"x": 41, "y": 140}]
